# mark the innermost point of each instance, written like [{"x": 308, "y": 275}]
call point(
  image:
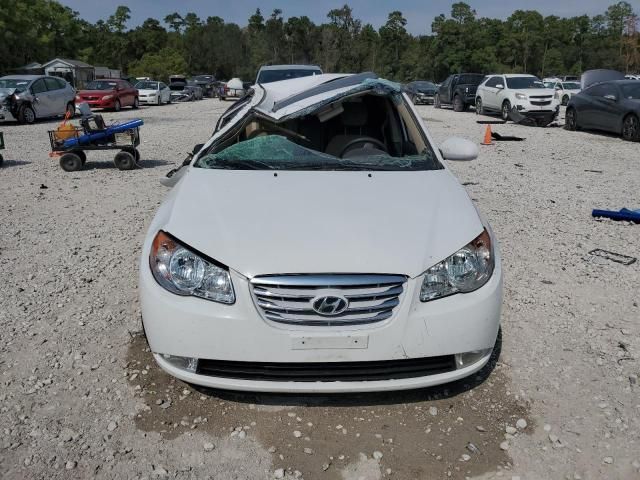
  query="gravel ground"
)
[{"x": 81, "y": 397}]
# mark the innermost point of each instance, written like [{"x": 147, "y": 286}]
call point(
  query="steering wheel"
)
[{"x": 357, "y": 141}]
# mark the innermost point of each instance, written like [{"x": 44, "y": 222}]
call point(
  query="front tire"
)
[
  {"x": 565, "y": 100},
  {"x": 124, "y": 160},
  {"x": 70, "y": 110},
  {"x": 26, "y": 115},
  {"x": 631, "y": 128},
  {"x": 571, "y": 119},
  {"x": 117, "y": 106},
  {"x": 506, "y": 108},
  {"x": 479, "y": 107},
  {"x": 71, "y": 162},
  {"x": 136, "y": 103},
  {"x": 458, "y": 104},
  {"x": 436, "y": 102}
]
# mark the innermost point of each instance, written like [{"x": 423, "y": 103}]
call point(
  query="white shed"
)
[{"x": 75, "y": 72}]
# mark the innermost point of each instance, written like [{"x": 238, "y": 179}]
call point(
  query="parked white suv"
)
[
  {"x": 319, "y": 243},
  {"x": 524, "y": 93}
]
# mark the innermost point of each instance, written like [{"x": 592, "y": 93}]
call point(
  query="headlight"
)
[
  {"x": 466, "y": 270},
  {"x": 107, "y": 97},
  {"x": 184, "y": 272},
  {"x": 521, "y": 96}
]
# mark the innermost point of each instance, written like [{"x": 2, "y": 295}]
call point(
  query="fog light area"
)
[
  {"x": 183, "y": 363},
  {"x": 469, "y": 358}
]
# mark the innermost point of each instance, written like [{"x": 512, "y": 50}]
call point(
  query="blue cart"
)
[{"x": 71, "y": 144}]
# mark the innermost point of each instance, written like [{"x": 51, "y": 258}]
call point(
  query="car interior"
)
[{"x": 359, "y": 125}]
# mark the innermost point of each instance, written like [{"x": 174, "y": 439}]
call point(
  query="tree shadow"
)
[{"x": 445, "y": 391}]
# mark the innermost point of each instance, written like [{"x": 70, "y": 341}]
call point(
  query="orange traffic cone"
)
[{"x": 487, "y": 136}]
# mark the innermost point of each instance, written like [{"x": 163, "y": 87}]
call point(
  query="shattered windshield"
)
[
  {"x": 521, "y": 83},
  {"x": 10, "y": 83},
  {"x": 276, "y": 152}
]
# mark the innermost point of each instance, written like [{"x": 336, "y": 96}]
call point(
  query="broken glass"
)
[{"x": 276, "y": 152}]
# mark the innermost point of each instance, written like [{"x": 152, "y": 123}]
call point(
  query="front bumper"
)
[
  {"x": 425, "y": 98},
  {"x": 148, "y": 100},
  {"x": 6, "y": 115},
  {"x": 98, "y": 103},
  {"x": 535, "y": 111},
  {"x": 200, "y": 329}
]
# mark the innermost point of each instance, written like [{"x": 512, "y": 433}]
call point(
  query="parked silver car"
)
[{"x": 26, "y": 98}]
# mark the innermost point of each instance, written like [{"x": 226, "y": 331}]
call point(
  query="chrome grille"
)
[{"x": 289, "y": 299}]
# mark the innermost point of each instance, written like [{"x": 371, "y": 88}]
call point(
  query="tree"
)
[{"x": 159, "y": 65}]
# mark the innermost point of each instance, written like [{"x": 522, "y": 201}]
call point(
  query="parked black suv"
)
[{"x": 458, "y": 90}]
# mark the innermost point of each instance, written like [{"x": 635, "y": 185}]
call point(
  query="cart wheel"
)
[
  {"x": 71, "y": 162},
  {"x": 125, "y": 160},
  {"x": 82, "y": 155},
  {"x": 134, "y": 152}
]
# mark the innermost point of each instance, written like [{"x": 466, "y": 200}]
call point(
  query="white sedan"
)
[
  {"x": 318, "y": 242},
  {"x": 153, "y": 93}
]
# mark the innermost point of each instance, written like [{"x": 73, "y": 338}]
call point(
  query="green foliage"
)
[
  {"x": 526, "y": 41},
  {"x": 159, "y": 65}
]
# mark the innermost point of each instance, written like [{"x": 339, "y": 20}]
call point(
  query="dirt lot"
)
[{"x": 81, "y": 397}]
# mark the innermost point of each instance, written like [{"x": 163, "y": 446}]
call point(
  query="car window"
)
[
  {"x": 102, "y": 85},
  {"x": 631, "y": 92},
  {"x": 52, "y": 84},
  {"x": 493, "y": 82},
  {"x": 162, "y": 86},
  {"x": 602, "y": 90},
  {"x": 38, "y": 86},
  {"x": 571, "y": 85},
  {"x": 147, "y": 85},
  {"x": 521, "y": 83},
  {"x": 446, "y": 83}
]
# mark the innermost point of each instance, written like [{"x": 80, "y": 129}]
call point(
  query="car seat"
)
[{"x": 354, "y": 122}]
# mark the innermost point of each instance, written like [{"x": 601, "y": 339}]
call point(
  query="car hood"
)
[
  {"x": 96, "y": 92},
  {"x": 258, "y": 223},
  {"x": 536, "y": 91},
  {"x": 6, "y": 92}
]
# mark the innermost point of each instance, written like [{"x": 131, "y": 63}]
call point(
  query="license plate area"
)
[{"x": 329, "y": 343}]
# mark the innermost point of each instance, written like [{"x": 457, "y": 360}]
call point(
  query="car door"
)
[
  {"x": 444, "y": 89},
  {"x": 490, "y": 92},
  {"x": 606, "y": 111},
  {"x": 165, "y": 93},
  {"x": 42, "y": 104},
  {"x": 56, "y": 95}
]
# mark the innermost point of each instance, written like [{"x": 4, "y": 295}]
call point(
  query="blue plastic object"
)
[
  {"x": 110, "y": 130},
  {"x": 623, "y": 214}
]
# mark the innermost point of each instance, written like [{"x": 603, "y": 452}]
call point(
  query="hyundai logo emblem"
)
[{"x": 330, "y": 305}]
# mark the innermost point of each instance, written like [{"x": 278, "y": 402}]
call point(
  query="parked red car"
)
[{"x": 109, "y": 93}]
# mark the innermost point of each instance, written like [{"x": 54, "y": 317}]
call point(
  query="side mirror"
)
[
  {"x": 197, "y": 148},
  {"x": 500, "y": 86},
  {"x": 173, "y": 177},
  {"x": 459, "y": 149}
]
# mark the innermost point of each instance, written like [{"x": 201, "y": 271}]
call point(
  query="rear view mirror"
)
[{"x": 459, "y": 149}]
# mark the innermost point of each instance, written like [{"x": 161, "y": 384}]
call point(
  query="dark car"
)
[
  {"x": 421, "y": 91},
  {"x": 110, "y": 93},
  {"x": 206, "y": 83},
  {"x": 458, "y": 90},
  {"x": 609, "y": 105}
]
